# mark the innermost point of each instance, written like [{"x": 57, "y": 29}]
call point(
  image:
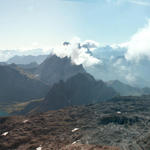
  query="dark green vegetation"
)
[
  {"x": 123, "y": 122},
  {"x": 80, "y": 89}
]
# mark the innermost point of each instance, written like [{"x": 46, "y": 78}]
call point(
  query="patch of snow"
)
[
  {"x": 37, "y": 75},
  {"x": 75, "y": 129},
  {"x": 74, "y": 142},
  {"x": 5, "y": 133},
  {"x": 39, "y": 148},
  {"x": 25, "y": 121},
  {"x": 118, "y": 112}
]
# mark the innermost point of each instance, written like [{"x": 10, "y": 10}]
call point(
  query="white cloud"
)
[
  {"x": 130, "y": 78},
  {"x": 137, "y": 2},
  {"x": 78, "y": 51},
  {"x": 139, "y": 45},
  {"x": 35, "y": 44},
  {"x": 115, "y": 2},
  {"x": 140, "y": 2},
  {"x": 119, "y": 46},
  {"x": 117, "y": 63}
]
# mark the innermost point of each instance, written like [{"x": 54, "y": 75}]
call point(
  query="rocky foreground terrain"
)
[{"x": 122, "y": 123}]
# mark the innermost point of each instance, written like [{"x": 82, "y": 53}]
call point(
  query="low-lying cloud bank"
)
[
  {"x": 136, "y": 49},
  {"x": 128, "y": 62}
]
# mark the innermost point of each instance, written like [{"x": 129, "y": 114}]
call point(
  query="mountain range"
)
[
  {"x": 113, "y": 64},
  {"x": 60, "y": 83},
  {"x": 80, "y": 89}
]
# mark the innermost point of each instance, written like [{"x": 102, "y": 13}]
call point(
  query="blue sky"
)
[{"x": 46, "y": 23}]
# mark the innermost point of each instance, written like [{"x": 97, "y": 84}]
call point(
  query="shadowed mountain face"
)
[
  {"x": 54, "y": 69},
  {"x": 16, "y": 85},
  {"x": 78, "y": 90}
]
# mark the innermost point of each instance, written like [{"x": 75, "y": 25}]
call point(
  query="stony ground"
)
[{"x": 122, "y": 123}]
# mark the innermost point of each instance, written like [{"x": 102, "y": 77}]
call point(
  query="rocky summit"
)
[
  {"x": 54, "y": 69},
  {"x": 123, "y": 123}
]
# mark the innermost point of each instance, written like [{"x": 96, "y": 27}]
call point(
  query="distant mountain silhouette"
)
[
  {"x": 127, "y": 90},
  {"x": 3, "y": 63},
  {"x": 16, "y": 85},
  {"x": 78, "y": 90},
  {"x": 27, "y": 59},
  {"x": 28, "y": 66},
  {"x": 124, "y": 89}
]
